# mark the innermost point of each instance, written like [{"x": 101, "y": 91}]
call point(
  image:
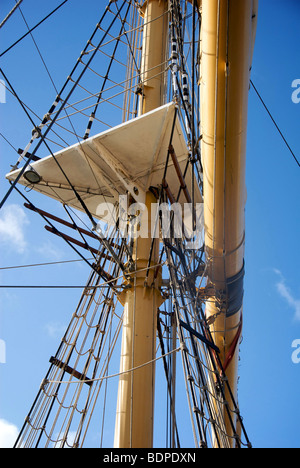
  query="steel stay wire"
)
[
  {"x": 61, "y": 262},
  {"x": 275, "y": 123},
  {"x": 118, "y": 38},
  {"x": 52, "y": 121},
  {"x": 38, "y": 132},
  {"x": 174, "y": 285},
  {"x": 204, "y": 431},
  {"x": 85, "y": 297},
  {"x": 92, "y": 266},
  {"x": 216, "y": 359},
  {"x": 32, "y": 29},
  {"x": 118, "y": 373},
  {"x": 18, "y": 2}
]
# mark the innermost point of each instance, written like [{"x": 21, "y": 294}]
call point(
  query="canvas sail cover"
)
[{"x": 129, "y": 158}]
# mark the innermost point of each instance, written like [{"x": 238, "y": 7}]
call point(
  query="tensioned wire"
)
[
  {"x": 32, "y": 29},
  {"x": 42, "y": 139},
  {"x": 119, "y": 373},
  {"x": 78, "y": 314},
  {"x": 77, "y": 196},
  {"x": 73, "y": 404},
  {"x": 145, "y": 364}
]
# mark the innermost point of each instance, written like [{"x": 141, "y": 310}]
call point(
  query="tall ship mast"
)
[{"x": 159, "y": 101}]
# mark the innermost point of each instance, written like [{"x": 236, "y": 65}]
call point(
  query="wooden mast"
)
[
  {"x": 135, "y": 407},
  {"x": 228, "y": 32}
]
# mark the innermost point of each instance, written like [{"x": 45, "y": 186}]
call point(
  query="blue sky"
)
[{"x": 31, "y": 323}]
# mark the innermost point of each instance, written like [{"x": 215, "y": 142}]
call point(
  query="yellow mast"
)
[
  {"x": 227, "y": 39},
  {"x": 135, "y": 407},
  {"x": 228, "y": 31}
]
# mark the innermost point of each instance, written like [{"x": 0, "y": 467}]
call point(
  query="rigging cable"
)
[
  {"x": 37, "y": 132},
  {"x": 42, "y": 264},
  {"x": 99, "y": 379},
  {"x": 10, "y": 144},
  {"x": 200, "y": 398},
  {"x": 93, "y": 267},
  {"x": 30, "y": 110},
  {"x": 38, "y": 50},
  {"x": 274, "y": 122},
  {"x": 11, "y": 12},
  {"x": 55, "y": 287},
  {"x": 93, "y": 114},
  {"x": 46, "y": 68},
  {"x": 32, "y": 29}
]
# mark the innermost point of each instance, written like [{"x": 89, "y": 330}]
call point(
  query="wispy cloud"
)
[
  {"x": 287, "y": 294},
  {"x": 69, "y": 442},
  {"x": 8, "y": 434},
  {"x": 55, "y": 329},
  {"x": 13, "y": 220},
  {"x": 50, "y": 251}
]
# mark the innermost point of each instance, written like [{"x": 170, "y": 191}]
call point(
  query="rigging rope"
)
[
  {"x": 11, "y": 12},
  {"x": 37, "y": 133},
  {"x": 32, "y": 29},
  {"x": 274, "y": 122},
  {"x": 41, "y": 264},
  {"x": 100, "y": 379},
  {"x": 93, "y": 114},
  {"x": 87, "y": 343}
]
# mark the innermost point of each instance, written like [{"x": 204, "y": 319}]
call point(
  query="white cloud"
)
[
  {"x": 55, "y": 329},
  {"x": 49, "y": 250},
  {"x": 13, "y": 220},
  {"x": 286, "y": 294},
  {"x": 8, "y": 434}
]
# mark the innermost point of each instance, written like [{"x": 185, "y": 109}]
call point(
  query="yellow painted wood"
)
[
  {"x": 228, "y": 30},
  {"x": 135, "y": 408}
]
